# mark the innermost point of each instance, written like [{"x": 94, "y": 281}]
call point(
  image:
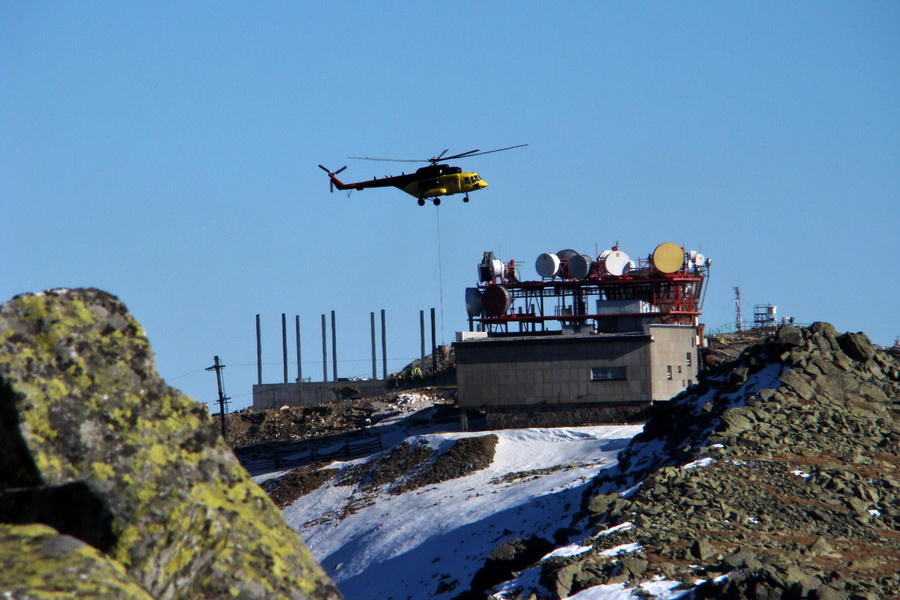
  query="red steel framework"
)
[{"x": 670, "y": 298}]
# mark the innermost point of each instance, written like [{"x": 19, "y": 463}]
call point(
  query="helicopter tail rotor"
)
[{"x": 331, "y": 174}]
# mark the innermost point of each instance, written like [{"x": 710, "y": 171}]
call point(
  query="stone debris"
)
[
  {"x": 291, "y": 423},
  {"x": 794, "y": 491}
]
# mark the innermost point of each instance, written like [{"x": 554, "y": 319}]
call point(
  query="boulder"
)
[
  {"x": 38, "y": 562},
  {"x": 89, "y": 429},
  {"x": 857, "y": 346}
]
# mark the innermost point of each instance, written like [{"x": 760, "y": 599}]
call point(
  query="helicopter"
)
[{"x": 427, "y": 183}]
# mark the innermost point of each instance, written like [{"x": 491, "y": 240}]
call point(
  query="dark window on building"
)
[
  {"x": 669, "y": 372},
  {"x": 688, "y": 356},
  {"x": 608, "y": 374},
  {"x": 679, "y": 368}
]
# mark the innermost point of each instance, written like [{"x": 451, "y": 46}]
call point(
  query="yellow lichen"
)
[{"x": 102, "y": 471}]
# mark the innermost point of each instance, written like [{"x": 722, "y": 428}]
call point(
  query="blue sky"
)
[{"x": 167, "y": 153}]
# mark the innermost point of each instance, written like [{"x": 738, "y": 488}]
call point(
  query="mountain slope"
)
[
  {"x": 777, "y": 476},
  {"x": 430, "y": 541}
]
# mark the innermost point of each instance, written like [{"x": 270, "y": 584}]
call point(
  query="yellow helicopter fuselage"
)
[{"x": 444, "y": 185}]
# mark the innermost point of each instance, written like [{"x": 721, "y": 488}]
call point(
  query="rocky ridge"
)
[
  {"x": 402, "y": 469},
  {"x": 778, "y": 476},
  {"x": 112, "y": 483}
]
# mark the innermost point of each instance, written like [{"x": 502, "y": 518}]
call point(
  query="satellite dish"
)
[
  {"x": 495, "y": 300},
  {"x": 668, "y": 258},
  {"x": 580, "y": 266},
  {"x": 547, "y": 265},
  {"x": 615, "y": 262},
  {"x": 566, "y": 254},
  {"x": 489, "y": 268},
  {"x": 473, "y": 302}
]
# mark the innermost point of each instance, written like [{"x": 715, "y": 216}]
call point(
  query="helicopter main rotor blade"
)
[
  {"x": 388, "y": 159},
  {"x": 479, "y": 152},
  {"x": 469, "y": 153},
  {"x": 434, "y": 160}
]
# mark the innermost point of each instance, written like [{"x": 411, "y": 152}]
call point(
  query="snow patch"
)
[
  {"x": 659, "y": 589},
  {"x": 620, "y": 527},
  {"x": 703, "y": 462},
  {"x": 377, "y": 545},
  {"x": 570, "y": 550},
  {"x": 624, "y": 548}
]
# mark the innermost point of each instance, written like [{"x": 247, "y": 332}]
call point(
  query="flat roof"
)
[
  {"x": 555, "y": 337},
  {"x": 559, "y": 337}
]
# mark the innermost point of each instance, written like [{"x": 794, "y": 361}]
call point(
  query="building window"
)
[
  {"x": 688, "y": 357},
  {"x": 669, "y": 372},
  {"x": 679, "y": 369},
  {"x": 608, "y": 374}
]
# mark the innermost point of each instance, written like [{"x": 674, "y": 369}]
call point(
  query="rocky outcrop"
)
[
  {"x": 135, "y": 492},
  {"x": 38, "y": 562},
  {"x": 776, "y": 477}
]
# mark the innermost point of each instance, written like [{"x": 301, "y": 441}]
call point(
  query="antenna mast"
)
[{"x": 737, "y": 304}]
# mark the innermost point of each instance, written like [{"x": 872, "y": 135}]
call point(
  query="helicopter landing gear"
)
[
  {"x": 437, "y": 201},
  {"x": 466, "y": 198},
  {"x": 421, "y": 201}
]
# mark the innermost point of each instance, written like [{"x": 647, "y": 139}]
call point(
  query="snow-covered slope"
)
[
  {"x": 777, "y": 472},
  {"x": 429, "y": 543}
]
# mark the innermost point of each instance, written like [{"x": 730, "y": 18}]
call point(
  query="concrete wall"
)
[
  {"x": 552, "y": 370},
  {"x": 575, "y": 369},
  {"x": 276, "y": 395},
  {"x": 674, "y": 350}
]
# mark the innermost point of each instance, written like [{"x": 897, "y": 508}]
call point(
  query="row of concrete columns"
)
[{"x": 334, "y": 360}]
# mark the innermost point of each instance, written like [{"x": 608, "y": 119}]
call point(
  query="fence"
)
[{"x": 276, "y": 461}]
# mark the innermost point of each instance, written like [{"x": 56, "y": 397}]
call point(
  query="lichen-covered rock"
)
[
  {"x": 85, "y": 419},
  {"x": 38, "y": 562}
]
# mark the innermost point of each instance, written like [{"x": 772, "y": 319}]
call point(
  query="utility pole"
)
[
  {"x": 223, "y": 399},
  {"x": 737, "y": 302}
]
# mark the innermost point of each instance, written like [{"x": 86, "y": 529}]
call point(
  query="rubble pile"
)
[
  {"x": 778, "y": 476},
  {"x": 294, "y": 423}
]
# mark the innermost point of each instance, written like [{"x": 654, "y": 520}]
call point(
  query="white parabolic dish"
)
[
  {"x": 615, "y": 262},
  {"x": 547, "y": 264}
]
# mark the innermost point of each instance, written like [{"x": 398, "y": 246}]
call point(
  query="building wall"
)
[
  {"x": 673, "y": 360},
  {"x": 574, "y": 369},
  {"x": 276, "y": 395},
  {"x": 551, "y": 370}
]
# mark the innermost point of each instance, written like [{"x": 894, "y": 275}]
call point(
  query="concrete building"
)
[{"x": 581, "y": 377}]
